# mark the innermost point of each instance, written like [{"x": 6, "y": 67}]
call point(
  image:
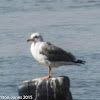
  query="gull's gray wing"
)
[{"x": 55, "y": 53}]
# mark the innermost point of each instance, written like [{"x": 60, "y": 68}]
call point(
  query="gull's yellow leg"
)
[{"x": 46, "y": 77}]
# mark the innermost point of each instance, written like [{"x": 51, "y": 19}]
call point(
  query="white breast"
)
[{"x": 35, "y": 50}]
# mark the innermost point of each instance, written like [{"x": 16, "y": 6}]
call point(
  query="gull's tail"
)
[{"x": 79, "y": 61}]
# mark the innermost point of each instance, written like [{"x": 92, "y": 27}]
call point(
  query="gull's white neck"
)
[{"x": 35, "y": 42}]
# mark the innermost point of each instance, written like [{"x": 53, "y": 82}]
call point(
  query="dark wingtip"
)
[
  {"x": 80, "y": 61},
  {"x": 83, "y": 62}
]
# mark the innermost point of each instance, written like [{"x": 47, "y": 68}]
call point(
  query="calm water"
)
[{"x": 73, "y": 25}]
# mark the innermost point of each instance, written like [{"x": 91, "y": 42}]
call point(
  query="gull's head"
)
[{"x": 35, "y": 37}]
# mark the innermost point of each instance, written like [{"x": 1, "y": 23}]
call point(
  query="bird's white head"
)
[{"x": 35, "y": 37}]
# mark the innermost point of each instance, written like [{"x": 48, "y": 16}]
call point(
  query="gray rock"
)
[{"x": 56, "y": 88}]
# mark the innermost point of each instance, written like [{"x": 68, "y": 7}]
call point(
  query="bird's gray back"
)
[{"x": 55, "y": 53}]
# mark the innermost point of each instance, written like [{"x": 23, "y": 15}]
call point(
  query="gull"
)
[{"x": 50, "y": 55}]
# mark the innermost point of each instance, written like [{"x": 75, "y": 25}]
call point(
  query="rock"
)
[{"x": 56, "y": 88}]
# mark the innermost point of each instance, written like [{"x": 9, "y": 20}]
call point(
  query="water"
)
[{"x": 73, "y": 25}]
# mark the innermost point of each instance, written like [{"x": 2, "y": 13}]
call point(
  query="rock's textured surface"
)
[{"x": 56, "y": 88}]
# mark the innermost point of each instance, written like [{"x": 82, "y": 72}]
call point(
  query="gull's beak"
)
[{"x": 29, "y": 40}]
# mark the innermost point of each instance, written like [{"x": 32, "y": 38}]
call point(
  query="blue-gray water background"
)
[{"x": 73, "y": 25}]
